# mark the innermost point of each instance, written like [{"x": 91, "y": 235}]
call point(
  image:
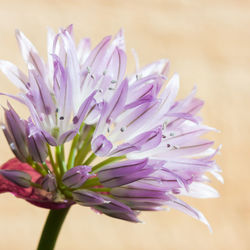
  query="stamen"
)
[
  {"x": 75, "y": 119},
  {"x": 61, "y": 118},
  {"x": 122, "y": 129}
]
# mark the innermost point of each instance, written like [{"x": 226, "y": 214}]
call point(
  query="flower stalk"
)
[{"x": 52, "y": 228}]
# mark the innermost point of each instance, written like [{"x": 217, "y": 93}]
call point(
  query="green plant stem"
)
[
  {"x": 91, "y": 183},
  {"x": 60, "y": 161},
  {"x": 52, "y": 228},
  {"x": 72, "y": 153},
  {"x": 52, "y": 162},
  {"x": 90, "y": 159},
  {"x": 85, "y": 148},
  {"x": 39, "y": 169}
]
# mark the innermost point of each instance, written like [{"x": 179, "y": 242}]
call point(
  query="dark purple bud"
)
[
  {"x": 88, "y": 198},
  {"x": 76, "y": 176},
  {"x": 49, "y": 183},
  {"x": 15, "y": 134},
  {"x": 36, "y": 143},
  {"x": 116, "y": 209},
  {"x": 124, "y": 172},
  {"x": 128, "y": 193},
  {"x": 20, "y": 178},
  {"x": 101, "y": 145}
]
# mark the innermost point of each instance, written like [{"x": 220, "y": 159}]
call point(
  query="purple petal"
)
[
  {"x": 76, "y": 176},
  {"x": 42, "y": 99},
  {"x": 83, "y": 50},
  {"x": 36, "y": 143},
  {"x": 15, "y": 75},
  {"x": 48, "y": 183},
  {"x": 117, "y": 65},
  {"x": 98, "y": 57},
  {"x": 67, "y": 136},
  {"x": 185, "y": 208},
  {"x": 16, "y": 133},
  {"x": 101, "y": 146},
  {"x": 124, "y": 172},
  {"x": 116, "y": 209},
  {"x": 30, "y": 54},
  {"x": 126, "y": 179},
  {"x": 19, "y": 178},
  {"x": 87, "y": 198},
  {"x": 83, "y": 110}
]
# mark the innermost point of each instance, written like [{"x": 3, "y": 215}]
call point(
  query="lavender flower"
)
[{"x": 134, "y": 147}]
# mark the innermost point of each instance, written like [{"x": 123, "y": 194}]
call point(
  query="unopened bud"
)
[
  {"x": 49, "y": 183},
  {"x": 20, "y": 178},
  {"x": 76, "y": 176}
]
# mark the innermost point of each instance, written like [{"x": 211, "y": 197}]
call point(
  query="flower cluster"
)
[{"x": 133, "y": 146}]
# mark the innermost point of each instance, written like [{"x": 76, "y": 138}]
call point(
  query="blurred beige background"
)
[{"x": 208, "y": 44}]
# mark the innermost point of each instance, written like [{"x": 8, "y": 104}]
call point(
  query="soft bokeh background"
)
[{"x": 208, "y": 43}]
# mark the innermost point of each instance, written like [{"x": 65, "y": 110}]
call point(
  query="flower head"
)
[{"x": 134, "y": 147}]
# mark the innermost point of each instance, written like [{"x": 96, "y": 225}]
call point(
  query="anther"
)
[
  {"x": 122, "y": 129},
  {"x": 61, "y": 118}
]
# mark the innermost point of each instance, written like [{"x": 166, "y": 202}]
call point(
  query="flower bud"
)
[
  {"x": 36, "y": 143},
  {"x": 88, "y": 198},
  {"x": 20, "y": 178},
  {"x": 76, "y": 176},
  {"x": 14, "y": 131},
  {"x": 49, "y": 183}
]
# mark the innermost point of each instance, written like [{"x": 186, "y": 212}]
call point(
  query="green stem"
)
[
  {"x": 52, "y": 162},
  {"x": 85, "y": 148},
  {"x": 60, "y": 161},
  {"x": 62, "y": 152},
  {"x": 73, "y": 149},
  {"x": 52, "y": 228},
  {"x": 39, "y": 169},
  {"x": 90, "y": 159},
  {"x": 91, "y": 183}
]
